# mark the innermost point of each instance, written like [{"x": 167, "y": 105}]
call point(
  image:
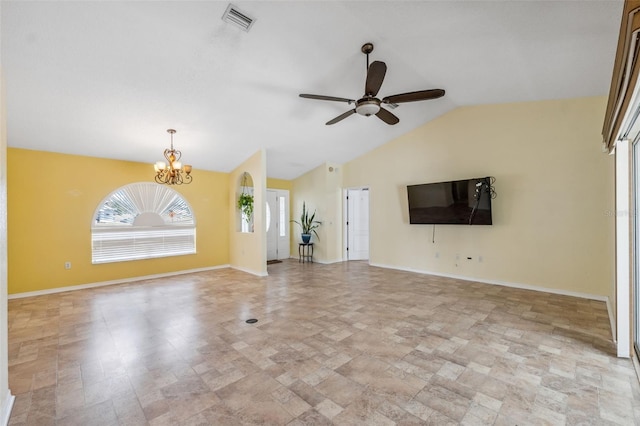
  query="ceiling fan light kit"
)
[{"x": 369, "y": 104}]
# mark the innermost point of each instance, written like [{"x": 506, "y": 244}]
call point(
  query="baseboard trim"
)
[
  {"x": 7, "y": 406},
  {"x": 612, "y": 321},
  {"x": 500, "y": 283},
  {"x": 112, "y": 282},
  {"x": 636, "y": 366},
  {"x": 250, "y": 271},
  {"x": 322, "y": 262},
  {"x": 328, "y": 262}
]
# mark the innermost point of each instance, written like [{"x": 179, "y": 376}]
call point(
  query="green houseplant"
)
[
  {"x": 245, "y": 204},
  {"x": 245, "y": 200},
  {"x": 308, "y": 223}
]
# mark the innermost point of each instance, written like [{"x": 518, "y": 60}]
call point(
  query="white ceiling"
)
[{"x": 106, "y": 79}]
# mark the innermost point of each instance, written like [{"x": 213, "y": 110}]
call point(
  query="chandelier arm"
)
[{"x": 172, "y": 156}]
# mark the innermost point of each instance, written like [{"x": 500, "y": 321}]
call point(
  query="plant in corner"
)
[{"x": 308, "y": 223}]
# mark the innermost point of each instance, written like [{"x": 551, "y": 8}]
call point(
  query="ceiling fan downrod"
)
[{"x": 366, "y": 49}]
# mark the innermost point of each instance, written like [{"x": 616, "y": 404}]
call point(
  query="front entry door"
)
[
  {"x": 277, "y": 224},
  {"x": 272, "y": 229}
]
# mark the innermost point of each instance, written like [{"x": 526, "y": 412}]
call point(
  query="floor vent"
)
[{"x": 240, "y": 19}]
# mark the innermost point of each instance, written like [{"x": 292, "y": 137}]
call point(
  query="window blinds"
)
[{"x": 117, "y": 245}]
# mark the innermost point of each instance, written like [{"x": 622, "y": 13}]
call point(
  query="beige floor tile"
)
[{"x": 335, "y": 344}]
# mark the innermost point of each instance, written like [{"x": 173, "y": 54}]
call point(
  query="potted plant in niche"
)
[{"x": 308, "y": 223}]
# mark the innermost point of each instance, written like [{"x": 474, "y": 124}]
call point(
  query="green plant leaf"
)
[
  {"x": 245, "y": 204},
  {"x": 308, "y": 223}
]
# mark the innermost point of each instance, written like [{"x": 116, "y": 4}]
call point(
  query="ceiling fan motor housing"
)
[{"x": 367, "y": 106}]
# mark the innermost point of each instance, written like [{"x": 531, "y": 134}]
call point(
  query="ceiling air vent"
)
[{"x": 240, "y": 19}]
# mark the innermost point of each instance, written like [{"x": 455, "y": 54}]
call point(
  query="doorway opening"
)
[
  {"x": 277, "y": 224},
  {"x": 356, "y": 213}
]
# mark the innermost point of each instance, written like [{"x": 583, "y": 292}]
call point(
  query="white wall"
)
[
  {"x": 6, "y": 399},
  {"x": 553, "y": 226}
]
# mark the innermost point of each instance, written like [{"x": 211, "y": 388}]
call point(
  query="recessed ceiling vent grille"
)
[
  {"x": 391, "y": 105},
  {"x": 240, "y": 19}
]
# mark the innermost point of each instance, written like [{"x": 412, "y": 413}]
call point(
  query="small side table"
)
[{"x": 305, "y": 252}]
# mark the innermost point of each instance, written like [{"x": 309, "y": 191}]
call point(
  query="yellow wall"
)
[
  {"x": 552, "y": 227},
  {"x": 321, "y": 190},
  {"x": 248, "y": 250},
  {"x": 52, "y": 198},
  {"x": 273, "y": 183}
]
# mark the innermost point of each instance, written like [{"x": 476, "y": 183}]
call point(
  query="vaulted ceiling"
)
[{"x": 107, "y": 78}]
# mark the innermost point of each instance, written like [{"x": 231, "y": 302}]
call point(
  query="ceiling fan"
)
[{"x": 369, "y": 104}]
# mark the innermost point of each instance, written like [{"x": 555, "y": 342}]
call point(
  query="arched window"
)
[{"x": 141, "y": 221}]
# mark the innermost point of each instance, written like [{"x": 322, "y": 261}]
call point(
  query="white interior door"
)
[
  {"x": 357, "y": 203},
  {"x": 277, "y": 224},
  {"x": 272, "y": 228},
  {"x": 283, "y": 224}
]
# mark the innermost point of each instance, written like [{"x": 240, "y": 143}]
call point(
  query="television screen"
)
[{"x": 460, "y": 202}]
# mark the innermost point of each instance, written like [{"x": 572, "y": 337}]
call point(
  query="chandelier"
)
[{"x": 173, "y": 172}]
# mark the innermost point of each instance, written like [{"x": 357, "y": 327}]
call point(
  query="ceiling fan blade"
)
[
  {"x": 387, "y": 116},
  {"x": 420, "y": 95},
  {"x": 341, "y": 117},
  {"x": 326, "y": 98},
  {"x": 375, "y": 77}
]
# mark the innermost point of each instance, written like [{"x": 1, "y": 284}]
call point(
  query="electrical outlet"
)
[
  {"x": 480, "y": 259},
  {"x": 457, "y": 256},
  {"x": 437, "y": 255},
  {"x": 67, "y": 265}
]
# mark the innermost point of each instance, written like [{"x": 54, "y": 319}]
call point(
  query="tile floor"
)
[{"x": 342, "y": 344}]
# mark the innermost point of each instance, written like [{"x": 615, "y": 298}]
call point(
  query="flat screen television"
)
[{"x": 459, "y": 202}]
